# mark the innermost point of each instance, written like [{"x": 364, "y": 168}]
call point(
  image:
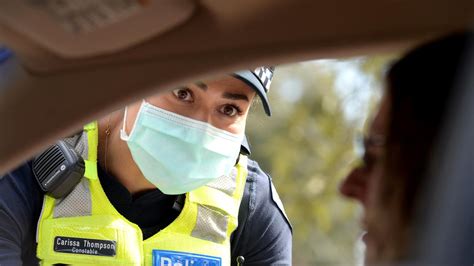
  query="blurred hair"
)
[{"x": 419, "y": 88}]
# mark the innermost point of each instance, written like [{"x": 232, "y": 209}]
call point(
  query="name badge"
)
[
  {"x": 85, "y": 246},
  {"x": 174, "y": 258}
]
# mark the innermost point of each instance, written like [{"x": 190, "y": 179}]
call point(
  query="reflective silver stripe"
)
[
  {"x": 225, "y": 183},
  {"x": 77, "y": 203},
  {"x": 210, "y": 225},
  {"x": 79, "y": 142}
]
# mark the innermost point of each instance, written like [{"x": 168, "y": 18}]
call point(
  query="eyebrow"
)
[
  {"x": 375, "y": 140},
  {"x": 201, "y": 85},
  {"x": 227, "y": 95},
  {"x": 235, "y": 96}
]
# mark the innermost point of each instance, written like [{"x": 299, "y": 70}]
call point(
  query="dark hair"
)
[{"x": 420, "y": 86}]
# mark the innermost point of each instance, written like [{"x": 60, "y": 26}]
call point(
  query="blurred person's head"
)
[
  {"x": 359, "y": 179},
  {"x": 419, "y": 88}
]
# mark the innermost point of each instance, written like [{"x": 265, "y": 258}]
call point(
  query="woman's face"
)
[
  {"x": 223, "y": 103},
  {"x": 361, "y": 183}
]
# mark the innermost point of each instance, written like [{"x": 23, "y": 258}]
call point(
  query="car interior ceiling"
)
[{"x": 243, "y": 33}]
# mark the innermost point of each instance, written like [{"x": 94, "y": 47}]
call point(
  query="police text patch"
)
[
  {"x": 84, "y": 246},
  {"x": 172, "y": 258}
]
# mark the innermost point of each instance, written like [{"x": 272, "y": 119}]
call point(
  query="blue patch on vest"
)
[{"x": 174, "y": 258}]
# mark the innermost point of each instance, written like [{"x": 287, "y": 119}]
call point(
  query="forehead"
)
[
  {"x": 380, "y": 123},
  {"x": 227, "y": 83}
]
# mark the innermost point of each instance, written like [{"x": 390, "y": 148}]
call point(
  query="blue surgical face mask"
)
[{"x": 179, "y": 154}]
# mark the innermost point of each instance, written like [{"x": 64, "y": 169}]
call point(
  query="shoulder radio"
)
[{"x": 58, "y": 169}]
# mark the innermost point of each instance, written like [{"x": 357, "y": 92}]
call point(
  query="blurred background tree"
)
[{"x": 307, "y": 147}]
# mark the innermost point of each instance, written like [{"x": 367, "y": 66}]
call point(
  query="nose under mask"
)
[{"x": 179, "y": 154}]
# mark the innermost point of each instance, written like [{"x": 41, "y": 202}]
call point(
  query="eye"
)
[
  {"x": 183, "y": 94},
  {"x": 230, "y": 110}
]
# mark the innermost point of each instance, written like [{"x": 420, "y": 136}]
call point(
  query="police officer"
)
[{"x": 167, "y": 182}]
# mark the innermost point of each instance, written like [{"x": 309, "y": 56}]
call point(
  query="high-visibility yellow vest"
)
[{"x": 84, "y": 227}]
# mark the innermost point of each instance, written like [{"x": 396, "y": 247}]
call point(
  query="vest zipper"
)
[{"x": 240, "y": 260}]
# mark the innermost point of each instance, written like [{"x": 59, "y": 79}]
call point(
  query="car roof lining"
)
[{"x": 46, "y": 96}]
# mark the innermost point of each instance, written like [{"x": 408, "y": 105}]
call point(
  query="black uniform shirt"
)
[{"x": 263, "y": 236}]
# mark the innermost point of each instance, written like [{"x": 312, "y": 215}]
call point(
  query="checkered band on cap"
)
[
  {"x": 258, "y": 79},
  {"x": 265, "y": 75}
]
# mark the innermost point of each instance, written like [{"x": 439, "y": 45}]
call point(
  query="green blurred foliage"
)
[{"x": 307, "y": 147}]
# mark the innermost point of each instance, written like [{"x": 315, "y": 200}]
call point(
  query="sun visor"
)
[{"x": 75, "y": 29}]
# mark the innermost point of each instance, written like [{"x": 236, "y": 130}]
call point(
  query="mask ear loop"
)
[{"x": 123, "y": 134}]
